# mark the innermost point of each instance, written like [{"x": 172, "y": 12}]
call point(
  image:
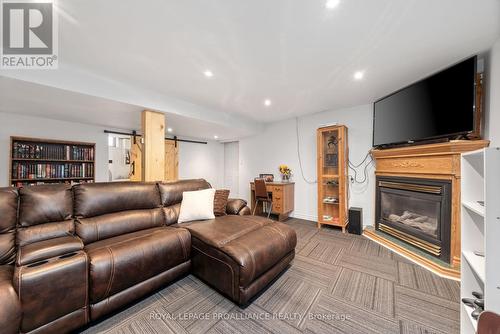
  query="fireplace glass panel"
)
[{"x": 420, "y": 214}]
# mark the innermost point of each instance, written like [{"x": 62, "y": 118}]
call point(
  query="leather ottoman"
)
[{"x": 240, "y": 255}]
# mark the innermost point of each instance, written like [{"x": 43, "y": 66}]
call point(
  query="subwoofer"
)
[{"x": 355, "y": 221}]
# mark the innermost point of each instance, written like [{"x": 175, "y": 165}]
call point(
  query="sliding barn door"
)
[
  {"x": 171, "y": 160},
  {"x": 135, "y": 160}
]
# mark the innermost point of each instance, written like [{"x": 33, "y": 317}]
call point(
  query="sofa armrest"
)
[
  {"x": 10, "y": 310},
  {"x": 245, "y": 211},
  {"x": 236, "y": 206},
  {"x": 43, "y": 250}
]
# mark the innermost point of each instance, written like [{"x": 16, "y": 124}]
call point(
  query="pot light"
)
[
  {"x": 170, "y": 129},
  {"x": 332, "y": 4},
  {"x": 208, "y": 73},
  {"x": 359, "y": 75},
  {"x": 216, "y": 137},
  {"x": 267, "y": 102}
]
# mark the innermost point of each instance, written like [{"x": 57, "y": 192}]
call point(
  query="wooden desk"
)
[{"x": 282, "y": 193}]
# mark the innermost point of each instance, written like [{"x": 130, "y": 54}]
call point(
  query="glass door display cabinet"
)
[{"x": 332, "y": 157}]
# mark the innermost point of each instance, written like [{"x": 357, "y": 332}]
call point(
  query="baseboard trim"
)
[{"x": 304, "y": 216}]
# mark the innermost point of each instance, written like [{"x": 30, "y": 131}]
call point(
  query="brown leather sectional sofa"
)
[{"x": 70, "y": 255}]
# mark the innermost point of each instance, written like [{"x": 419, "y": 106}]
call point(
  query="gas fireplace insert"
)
[{"x": 417, "y": 212}]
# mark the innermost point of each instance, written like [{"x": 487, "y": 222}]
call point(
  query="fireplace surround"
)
[
  {"x": 432, "y": 164},
  {"x": 416, "y": 211}
]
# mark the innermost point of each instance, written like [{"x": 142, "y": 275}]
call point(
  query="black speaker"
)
[{"x": 355, "y": 221}]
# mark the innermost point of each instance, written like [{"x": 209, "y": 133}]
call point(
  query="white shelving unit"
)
[{"x": 480, "y": 230}]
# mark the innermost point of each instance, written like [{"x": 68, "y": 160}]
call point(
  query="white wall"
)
[
  {"x": 27, "y": 126},
  {"x": 231, "y": 168},
  {"x": 202, "y": 161},
  {"x": 492, "y": 95},
  {"x": 278, "y": 145}
]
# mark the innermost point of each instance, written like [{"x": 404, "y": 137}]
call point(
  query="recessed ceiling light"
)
[
  {"x": 332, "y": 4},
  {"x": 267, "y": 102},
  {"x": 170, "y": 129},
  {"x": 216, "y": 137},
  {"x": 359, "y": 75},
  {"x": 208, "y": 73}
]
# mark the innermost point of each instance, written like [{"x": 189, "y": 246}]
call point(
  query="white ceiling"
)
[
  {"x": 21, "y": 97},
  {"x": 296, "y": 53}
]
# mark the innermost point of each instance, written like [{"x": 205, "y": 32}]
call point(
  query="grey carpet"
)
[{"x": 338, "y": 283}]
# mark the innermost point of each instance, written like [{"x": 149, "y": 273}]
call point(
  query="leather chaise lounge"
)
[
  {"x": 70, "y": 255},
  {"x": 236, "y": 255}
]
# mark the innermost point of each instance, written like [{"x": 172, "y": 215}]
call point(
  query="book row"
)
[
  {"x": 33, "y": 183},
  {"x": 21, "y": 150},
  {"x": 51, "y": 171}
]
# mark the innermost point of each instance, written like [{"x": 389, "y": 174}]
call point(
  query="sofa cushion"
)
[
  {"x": 8, "y": 220},
  {"x": 94, "y": 199},
  {"x": 220, "y": 202},
  {"x": 171, "y": 192},
  {"x": 171, "y": 196},
  {"x": 240, "y": 255},
  {"x": 113, "y": 224},
  {"x": 47, "y": 249},
  {"x": 45, "y": 204},
  {"x": 45, "y": 212},
  {"x": 221, "y": 230},
  {"x": 120, "y": 262},
  {"x": 197, "y": 205},
  {"x": 27, "y": 235},
  {"x": 259, "y": 250},
  {"x": 235, "y": 205},
  {"x": 254, "y": 243}
]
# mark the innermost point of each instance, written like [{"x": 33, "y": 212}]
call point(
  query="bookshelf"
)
[
  {"x": 480, "y": 231},
  {"x": 39, "y": 161},
  {"x": 332, "y": 176}
]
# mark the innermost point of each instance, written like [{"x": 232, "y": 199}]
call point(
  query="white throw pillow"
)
[{"x": 197, "y": 205}]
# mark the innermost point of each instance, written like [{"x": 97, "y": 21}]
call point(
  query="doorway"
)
[
  {"x": 125, "y": 159},
  {"x": 119, "y": 158}
]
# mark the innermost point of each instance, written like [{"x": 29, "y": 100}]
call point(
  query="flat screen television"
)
[{"x": 440, "y": 106}]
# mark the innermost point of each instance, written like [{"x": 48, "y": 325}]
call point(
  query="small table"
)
[{"x": 282, "y": 194}]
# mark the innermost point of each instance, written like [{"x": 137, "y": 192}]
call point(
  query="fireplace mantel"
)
[
  {"x": 439, "y": 161},
  {"x": 434, "y": 160},
  {"x": 451, "y": 147}
]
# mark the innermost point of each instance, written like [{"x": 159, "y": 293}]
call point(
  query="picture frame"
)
[
  {"x": 267, "y": 177},
  {"x": 331, "y": 160}
]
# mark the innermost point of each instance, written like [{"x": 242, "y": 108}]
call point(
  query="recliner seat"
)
[
  {"x": 51, "y": 268},
  {"x": 131, "y": 252}
]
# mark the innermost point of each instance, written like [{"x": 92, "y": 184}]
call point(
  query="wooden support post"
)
[{"x": 153, "y": 153}]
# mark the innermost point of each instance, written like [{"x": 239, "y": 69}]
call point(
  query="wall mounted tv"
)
[{"x": 440, "y": 106}]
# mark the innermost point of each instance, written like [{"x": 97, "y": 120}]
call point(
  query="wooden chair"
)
[
  {"x": 489, "y": 323},
  {"x": 262, "y": 195}
]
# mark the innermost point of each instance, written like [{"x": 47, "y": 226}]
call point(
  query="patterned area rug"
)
[{"x": 338, "y": 283}]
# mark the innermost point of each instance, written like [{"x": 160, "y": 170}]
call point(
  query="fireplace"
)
[{"x": 416, "y": 211}]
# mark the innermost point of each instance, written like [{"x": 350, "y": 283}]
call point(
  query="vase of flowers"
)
[{"x": 285, "y": 172}]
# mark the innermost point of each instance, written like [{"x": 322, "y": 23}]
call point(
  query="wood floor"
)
[{"x": 338, "y": 283}]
